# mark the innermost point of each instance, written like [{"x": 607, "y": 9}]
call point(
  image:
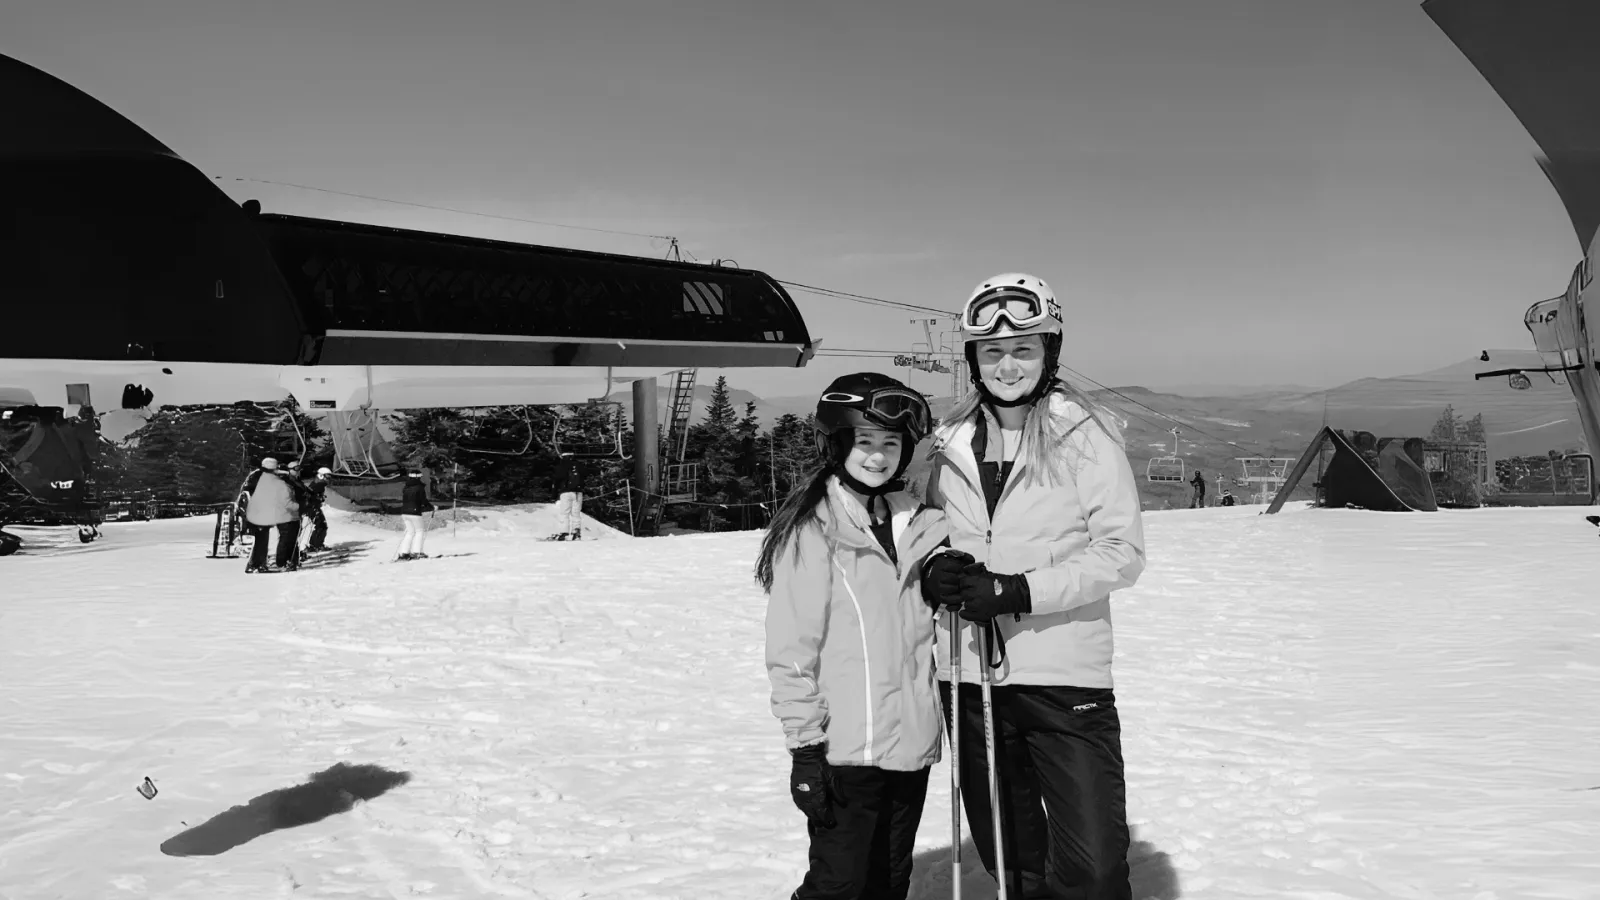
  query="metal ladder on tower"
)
[
  {"x": 678, "y": 424},
  {"x": 677, "y": 441}
]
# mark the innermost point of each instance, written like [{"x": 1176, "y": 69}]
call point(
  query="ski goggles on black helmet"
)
[
  {"x": 1019, "y": 306},
  {"x": 892, "y": 409}
]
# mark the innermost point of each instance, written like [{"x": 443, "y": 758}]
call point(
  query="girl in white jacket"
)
[
  {"x": 850, "y": 641},
  {"x": 1043, "y": 511}
]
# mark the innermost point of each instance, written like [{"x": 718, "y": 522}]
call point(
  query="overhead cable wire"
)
[
  {"x": 1187, "y": 425},
  {"x": 863, "y": 298},
  {"x": 449, "y": 209}
]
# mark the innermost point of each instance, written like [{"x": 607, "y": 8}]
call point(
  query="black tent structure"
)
[{"x": 1366, "y": 472}]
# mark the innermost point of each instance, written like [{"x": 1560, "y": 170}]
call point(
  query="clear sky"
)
[{"x": 1227, "y": 191}]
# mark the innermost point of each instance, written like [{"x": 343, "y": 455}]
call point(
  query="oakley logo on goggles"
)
[
  {"x": 891, "y": 408},
  {"x": 1018, "y": 306}
]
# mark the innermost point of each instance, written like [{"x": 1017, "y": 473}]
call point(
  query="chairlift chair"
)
[
  {"x": 1166, "y": 469},
  {"x": 1266, "y": 474},
  {"x": 471, "y": 442},
  {"x": 359, "y": 450},
  {"x": 562, "y": 433}
]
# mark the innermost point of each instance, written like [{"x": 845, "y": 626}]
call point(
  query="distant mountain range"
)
[
  {"x": 1518, "y": 422},
  {"x": 1219, "y": 423},
  {"x": 1280, "y": 423}
]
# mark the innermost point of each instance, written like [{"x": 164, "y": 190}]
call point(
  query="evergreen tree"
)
[
  {"x": 714, "y": 445},
  {"x": 509, "y": 454},
  {"x": 1445, "y": 429},
  {"x": 719, "y": 413},
  {"x": 794, "y": 452},
  {"x": 201, "y": 454}
]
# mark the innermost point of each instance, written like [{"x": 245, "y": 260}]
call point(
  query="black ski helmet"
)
[{"x": 869, "y": 400}]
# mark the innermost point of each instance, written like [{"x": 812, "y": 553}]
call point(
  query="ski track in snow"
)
[{"x": 1319, "y": 704}]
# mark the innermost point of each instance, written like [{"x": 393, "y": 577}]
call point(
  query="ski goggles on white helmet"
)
[
  {"x": 1006, "y": 304},
  {"x": 892, "y": 409}
]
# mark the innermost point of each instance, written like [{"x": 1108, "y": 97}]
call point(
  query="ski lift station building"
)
[{"x": 128, "y": 262}]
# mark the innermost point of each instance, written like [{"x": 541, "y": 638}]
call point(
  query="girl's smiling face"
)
[{"x": 875, "y": 456}]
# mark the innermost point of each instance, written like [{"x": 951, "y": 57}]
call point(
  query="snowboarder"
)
[
  {"x": 413, "y": 503},
  {"x": 849, "y": 647},
  {"x": 569, "y": 504},
  {"x": 1199, "y": 483},
  {"x": 1227, "y": 498},
  {"x": 316, "y": 495},
  {"x": 270, "y": 505},
  {"x": 1044, "y": 510}
]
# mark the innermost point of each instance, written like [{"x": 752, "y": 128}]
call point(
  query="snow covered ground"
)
[{"x": 1318, "y": 704}]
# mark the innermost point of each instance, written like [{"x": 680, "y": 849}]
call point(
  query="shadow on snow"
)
[
  {"x": 1150, "y": 873},
  {"x": 329, "y": 792}
]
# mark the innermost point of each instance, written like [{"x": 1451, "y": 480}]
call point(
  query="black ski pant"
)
[
  {"x": 259, "y": 535},
  {"x": 867, "y": 855},
  {"x": 319, "y": 530},
  {"x": 1062, "y": 793},
  {"x": 288, "y": 540}
]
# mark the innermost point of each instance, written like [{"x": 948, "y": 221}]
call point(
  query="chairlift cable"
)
[
  {"x": 464, "y": 212},
  {"x": 863, "y": 298},
  {"x": 1188, "y": 425}
]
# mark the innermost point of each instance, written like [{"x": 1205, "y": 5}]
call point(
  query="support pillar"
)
[{"x": 646, "y": 436}]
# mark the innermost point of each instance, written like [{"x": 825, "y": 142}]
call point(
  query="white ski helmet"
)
[
  {"x": 270, "y": 464},
  {"x": 324, "y": 471},
  {"x": 1011, "y": 304}
]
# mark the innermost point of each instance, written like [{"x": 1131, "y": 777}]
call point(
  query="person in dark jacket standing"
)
[
  {"x": 569, "y": 504},
  {"x": 316, "y": 494},
  {"x": 1199, "y": 482},
  {"x": 413, "y": 503}
]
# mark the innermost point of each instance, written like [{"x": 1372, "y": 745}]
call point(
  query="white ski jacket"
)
[
  {"x": 1077, "y": 541},
  {"x": 850, "y": 640}
]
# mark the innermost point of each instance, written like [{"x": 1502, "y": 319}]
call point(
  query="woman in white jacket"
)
[{"x": 1044, "y": 518}]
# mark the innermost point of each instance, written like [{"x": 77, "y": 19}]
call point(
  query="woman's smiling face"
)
[{"x": 1011, "y": 367}]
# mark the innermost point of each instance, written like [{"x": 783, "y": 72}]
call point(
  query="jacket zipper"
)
[{"x": 988, "y": 534}]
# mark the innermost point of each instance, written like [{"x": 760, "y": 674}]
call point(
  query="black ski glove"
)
[
  {"x": 985, "y": 595},
  {"x": 811, "y": 784},
  {"x": 941, "y": 579}
]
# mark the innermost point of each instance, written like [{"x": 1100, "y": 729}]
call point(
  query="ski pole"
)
[
  {"x": 994, "y": 773},
  {"x": 955, "y": 754}
]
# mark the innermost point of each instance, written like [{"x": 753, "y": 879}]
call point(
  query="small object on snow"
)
[
  {"x": 148, "y": 789},
  {"x": 1592, "y": 520}
]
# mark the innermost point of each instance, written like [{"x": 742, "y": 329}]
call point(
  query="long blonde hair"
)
[{"x": 1051, "y": 455}]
